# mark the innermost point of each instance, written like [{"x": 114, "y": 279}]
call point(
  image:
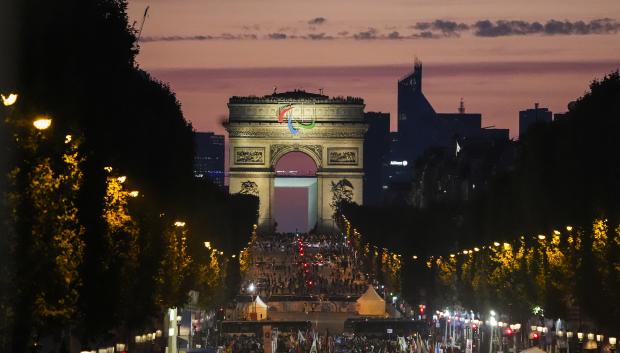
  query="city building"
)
[
  {"x": 421, "y": 128},
  {"x": 376, "y": 149},
  {"x": 209, "y": 157},
  {"x": 530, "y": 117}
]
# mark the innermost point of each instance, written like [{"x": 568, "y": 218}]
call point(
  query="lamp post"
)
[
  {"x": 612, "y": 344},
  {"x": 252, "y": 290},
  {"x": 179, "y": 318},
  {"x": 515, "y": 329},
  {"x": 599, "y": 340},
  {"x": 569, "y": 335},
  {"x": 447, "y": 321},
  {"x": 492, "y": 324}
]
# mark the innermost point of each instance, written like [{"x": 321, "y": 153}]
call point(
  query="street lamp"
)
[
  {"x": 515, "y": 329},
  {"x": 9, "y": 100},
  {"x": 569, "y": 335},
  {"x": 42, "y": 123},
  {"x": 612, "y": 344},
  {"x": 252, "y": 290},
  {"x": 179, "y": 318},
  {"x": 492, "y": 323}
]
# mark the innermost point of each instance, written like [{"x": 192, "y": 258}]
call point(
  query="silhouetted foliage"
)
[
  {"x": 77, "y": 65},
  {"x": 566, "y": 173}
]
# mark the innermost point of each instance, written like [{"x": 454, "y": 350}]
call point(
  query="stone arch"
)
[
  {"x": 280, "y": 150},
  {"x": 259, "y": 136}
]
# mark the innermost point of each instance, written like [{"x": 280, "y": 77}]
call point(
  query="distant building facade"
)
[
  {"x": 530, "y": 117},
  {"x": 209, "y": 157},
  {"x": 421, "y": 128},
  {"x": 376, "y": 159}
]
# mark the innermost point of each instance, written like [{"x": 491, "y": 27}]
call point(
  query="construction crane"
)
[{"x": 146, "y": 12}]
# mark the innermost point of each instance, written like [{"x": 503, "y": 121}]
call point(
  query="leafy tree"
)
[{"x": 342, "y": 193}]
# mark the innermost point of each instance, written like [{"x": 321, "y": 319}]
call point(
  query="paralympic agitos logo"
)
[{"x": 294, "y": 122}]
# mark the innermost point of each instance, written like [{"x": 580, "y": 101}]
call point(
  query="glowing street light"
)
[
  {"x": 121, "y": 179},
  {"x": 68, "y": 138},
  {"x": 207, "y": 244},
  {"x": 42, "y": 123},
  {"x": 496, "y": 243},
  {"x": 134, "y": 193},
  {"x": 569, "y": 228},
  {"x": 541, "y": 236},
  {"x": 179, "y": 224},
  {"x": 9, "y": 100}
]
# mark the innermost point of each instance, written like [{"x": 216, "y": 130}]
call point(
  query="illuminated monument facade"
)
[{"x": 329, "y": 130}]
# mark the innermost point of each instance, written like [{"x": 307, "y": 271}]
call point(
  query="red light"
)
[
  {"x": 474, "y": 326},
  {"x": 508, "y": 331}
]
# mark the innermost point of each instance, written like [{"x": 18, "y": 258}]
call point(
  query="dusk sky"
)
[{"x": 499, "y": 56}]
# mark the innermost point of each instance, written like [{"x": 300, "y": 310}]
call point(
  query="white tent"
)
[
  {"x": 533, "y": 350},
  {"x": 259, "y": 307},
  {"x": 371, "y": 303}
]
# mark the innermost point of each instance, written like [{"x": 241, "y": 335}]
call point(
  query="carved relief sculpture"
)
[
  {"x": 249, "y": 155},
  {"x": 249, "y": 187},
  {"x": 342, "y": 156}
]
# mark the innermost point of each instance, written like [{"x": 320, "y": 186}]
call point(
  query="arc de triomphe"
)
[{"x": 264, "y": 129}]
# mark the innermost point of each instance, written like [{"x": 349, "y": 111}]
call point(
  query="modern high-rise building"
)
[
  {"x": 421, "y": 128},
  {"x": 209, "y": 157},
  {"x": 376, "y": 148},
  {"x": 530, "y": 117},
  {"x": 417, "y": 123}
]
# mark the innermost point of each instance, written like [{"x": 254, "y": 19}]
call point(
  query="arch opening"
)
[{"x": 295, "y": 192}]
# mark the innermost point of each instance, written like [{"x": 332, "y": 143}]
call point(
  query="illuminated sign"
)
[
  {"x": 401, "y": 163},
  {"x": 294, "y": 122}
]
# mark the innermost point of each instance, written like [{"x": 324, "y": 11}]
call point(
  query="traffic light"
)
[
  {"x": 508, "y": 332},
  {"x": 534, "y": 335}
]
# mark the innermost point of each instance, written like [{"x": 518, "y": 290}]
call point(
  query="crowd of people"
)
[
  {"x": 312, "y": 343},
  {"x": 241, "y": 344},
  {"x": 297, "y": 265}
]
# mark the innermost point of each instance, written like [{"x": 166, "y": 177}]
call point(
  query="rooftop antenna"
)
[
  {"x": 146, "y": 13},
  {"x": 462, "y": 107}
]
